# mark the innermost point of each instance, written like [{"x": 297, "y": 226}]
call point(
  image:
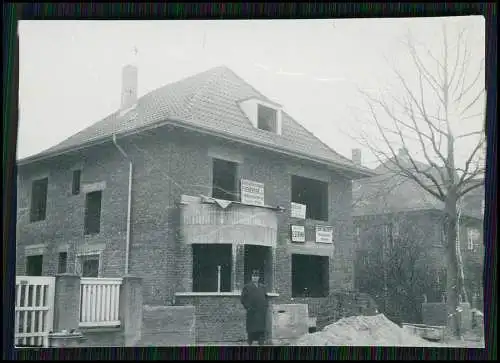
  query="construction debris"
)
[{"x": 363, "y": 331}]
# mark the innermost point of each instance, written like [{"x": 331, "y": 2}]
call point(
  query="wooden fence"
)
[
  {"x": 34, "y": 310},
  {"x": 100, "y": 305}
]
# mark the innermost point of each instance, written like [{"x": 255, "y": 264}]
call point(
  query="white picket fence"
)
[
  {"x": 100, "y": 302},
  {"x": 34, "y": 310}
]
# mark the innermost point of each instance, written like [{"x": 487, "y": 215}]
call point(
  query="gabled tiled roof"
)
[
  {"x": 392, "y": 192},
  {"x": 209, "y": 101}
]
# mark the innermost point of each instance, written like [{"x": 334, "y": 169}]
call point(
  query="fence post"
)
[
  {"x": 131, "y": 301},
  {"x": 67, "y": 302}
]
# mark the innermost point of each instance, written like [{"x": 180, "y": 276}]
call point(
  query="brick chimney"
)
[
  {"x": 129, "y": 87},
  {"x": 356, "y": 156}
]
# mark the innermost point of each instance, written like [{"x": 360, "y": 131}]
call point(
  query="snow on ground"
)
[{"x": 364, "y": 331}]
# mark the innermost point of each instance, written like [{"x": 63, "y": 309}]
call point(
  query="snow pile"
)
[{"x": 363, "y": 331}]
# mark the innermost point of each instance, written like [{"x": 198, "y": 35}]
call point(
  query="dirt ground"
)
[{"x": 368, "y": 331}]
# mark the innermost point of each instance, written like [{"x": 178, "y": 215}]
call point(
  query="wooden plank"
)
[{"x": 89, "y": 324}]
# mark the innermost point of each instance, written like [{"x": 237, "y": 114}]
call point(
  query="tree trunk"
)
[{"x": 452, "y": 283}]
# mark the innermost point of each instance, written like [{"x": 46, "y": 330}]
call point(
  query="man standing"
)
[{"x": 254, "y": 300}]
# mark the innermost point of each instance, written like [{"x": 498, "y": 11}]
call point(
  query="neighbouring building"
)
[
  {"x": 191, "y": 187},
  {"x": 399, "y": 232}
]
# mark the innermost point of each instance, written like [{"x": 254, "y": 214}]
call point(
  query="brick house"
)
[
  {"x": 389, "y": 207},
  {"x": 190, "y": 187}
]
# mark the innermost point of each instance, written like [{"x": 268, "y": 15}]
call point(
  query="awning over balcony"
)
[{"x": 206, "y": 220}]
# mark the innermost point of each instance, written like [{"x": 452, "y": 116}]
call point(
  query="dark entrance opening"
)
[
  {"x": 310, "y": 276},
  {"x": 34, "y": 265},
  {"x": 258, "y": 258}
]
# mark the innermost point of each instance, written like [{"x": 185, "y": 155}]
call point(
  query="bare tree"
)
[
  {"x": 443, "y": 95},
  {"x": 395, "y": 270}
]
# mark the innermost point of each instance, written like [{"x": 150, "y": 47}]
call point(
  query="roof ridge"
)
[{"x": 197, "y": 94}]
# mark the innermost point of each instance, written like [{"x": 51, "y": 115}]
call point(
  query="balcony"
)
[{"x": 206, "y": 220}]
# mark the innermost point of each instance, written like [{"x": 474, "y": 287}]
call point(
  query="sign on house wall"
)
[
  {"x": 298, "y": 234},
  {"x": 324, "y": 234},
  {"x": 252, "y": 192},
  {"x": 298, "y": 210}
]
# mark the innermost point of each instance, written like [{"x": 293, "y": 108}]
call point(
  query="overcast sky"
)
[{"x": 70, "y": 70}]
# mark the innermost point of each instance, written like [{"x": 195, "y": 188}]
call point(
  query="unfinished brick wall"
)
[
  {"x": 218, "y": 318},
  {"x": 167, "y": 163},
  {"x": 168, "y": 326}
]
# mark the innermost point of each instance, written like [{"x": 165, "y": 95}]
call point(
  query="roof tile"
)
[{"x": 209, "y": 99}]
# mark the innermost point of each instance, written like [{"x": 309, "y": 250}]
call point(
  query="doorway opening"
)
[
  {"x": 310, "y": 276},
  {"x": 258, "y": 258}
]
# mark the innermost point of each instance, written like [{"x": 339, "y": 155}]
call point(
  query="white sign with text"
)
[
  {"x": 298, "y": 234},
  {"x": 252, "y": 192},
  {"x": 324, "y": 234},
  {"x": 298, "y": 210}
]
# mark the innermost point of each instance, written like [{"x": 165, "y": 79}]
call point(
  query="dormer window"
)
[
  {"x": 267, "y": 118},
  {"x": 264, "y": 115}
]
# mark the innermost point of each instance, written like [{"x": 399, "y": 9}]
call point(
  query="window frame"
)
[
  {"x": 325, "y": 214},
  {"x": 59, "y": 265},
  {"x": 76, "y": 189},
  {"x": 325, "y": 272},
  {"x": 89, "y": 255},
  {"x": 236, "y": 191},
  {"x": 230, "y": 268},
  {"x": 27, "y": 257},
  {"x": 38, "y": 217},
  {"x": 86, "y": 231},
  {"x": 263, "y": 108}
]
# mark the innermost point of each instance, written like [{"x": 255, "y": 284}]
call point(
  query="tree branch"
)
[
  {"x": 404, "y": 170},
  {"x": 473, "y": 102},
  {"x": 431, "y": 80},
  {"x": 469, "y": 134},
  {"x": 417, "y": 129},
  {"x": 469, "y": 160},
  {"x": 463, "y": 91},
  {"x": 471, "y": 188},
  {"x": 453, "y": 72}
]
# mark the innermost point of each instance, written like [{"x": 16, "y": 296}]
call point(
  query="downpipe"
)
[{"x": 129, "y": 204}]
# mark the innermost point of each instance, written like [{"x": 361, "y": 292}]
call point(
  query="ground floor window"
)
[
  {"x": 34, "y": 265},
  {"x": 89, "y": 265},
  {"x": 310, "y": 275},
  {"x": 212, "y": 267},
  {"x": 62, "y": 262}
]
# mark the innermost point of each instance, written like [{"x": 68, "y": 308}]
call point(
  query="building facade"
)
[{"x": 191, "y": 187}]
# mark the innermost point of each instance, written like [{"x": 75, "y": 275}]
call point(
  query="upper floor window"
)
[
  {"x": 38, "y": 210},
  {"x": 313, "y": 194},
  {"x": 75, "y": 188},
  {"x": 92, "y": 223},
  {"x": 224, "y": 180},
  {"x": 267, "y": 118}
]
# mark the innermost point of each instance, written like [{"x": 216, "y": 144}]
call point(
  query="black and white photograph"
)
[{"x": 299, "y": 182}]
